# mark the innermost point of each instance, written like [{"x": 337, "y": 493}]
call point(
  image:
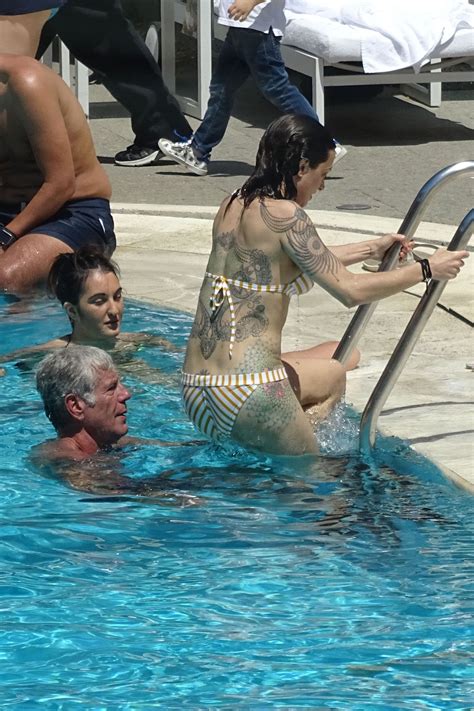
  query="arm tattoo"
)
[{"x": 303, "y": 239}]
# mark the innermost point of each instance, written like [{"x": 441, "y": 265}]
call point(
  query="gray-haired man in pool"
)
[
  {"x": 87, "y": 405},
  {"x": 54, "y": 194}
]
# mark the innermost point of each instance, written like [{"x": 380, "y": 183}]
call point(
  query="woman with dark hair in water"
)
[
  {"x": 236, "y": 382},
  {"x": 87, "y": 285}
]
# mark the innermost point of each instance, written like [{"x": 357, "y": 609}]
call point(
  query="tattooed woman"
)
[{"x": 236, "y": 382}]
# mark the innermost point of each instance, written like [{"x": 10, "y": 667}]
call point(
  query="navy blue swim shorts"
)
[
  {"x": 22, "y": 7},
  {"x": 78, "y": 222}
]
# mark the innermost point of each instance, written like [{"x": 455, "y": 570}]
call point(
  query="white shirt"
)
[{"x": 266, "y": 15}]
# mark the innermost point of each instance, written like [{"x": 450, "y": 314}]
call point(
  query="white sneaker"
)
[
  {"x": 183, "y": 154},
  {"x": 340, "y": 152}
]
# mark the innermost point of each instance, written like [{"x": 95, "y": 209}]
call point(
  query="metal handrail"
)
[
  {"x": 400, "y": 355},
  {"x": 408, "y": 227}
]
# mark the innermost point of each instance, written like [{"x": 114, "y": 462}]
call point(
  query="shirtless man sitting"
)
[{"x": 54, "y": 194}]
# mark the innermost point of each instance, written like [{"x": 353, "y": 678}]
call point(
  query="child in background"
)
[{"x": 251, "y": 47}]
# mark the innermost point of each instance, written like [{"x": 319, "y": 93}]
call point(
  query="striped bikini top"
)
[{"x": 221, "y": 291}]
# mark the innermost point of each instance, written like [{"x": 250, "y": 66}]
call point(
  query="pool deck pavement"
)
[{"x": 162, "y": 251}]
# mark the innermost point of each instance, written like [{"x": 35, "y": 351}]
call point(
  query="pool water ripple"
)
[{"x": 326, "y": 584}]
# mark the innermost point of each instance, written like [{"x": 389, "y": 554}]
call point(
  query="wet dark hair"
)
[
  {"x": 287, "y": 140},
  {"x": 69, "y": 272}
]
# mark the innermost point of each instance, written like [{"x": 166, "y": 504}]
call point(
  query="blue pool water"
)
[{"x": 331, "y": 584}]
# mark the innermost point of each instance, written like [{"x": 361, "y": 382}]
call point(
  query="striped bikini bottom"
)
[{"x": 213, "y": 402}]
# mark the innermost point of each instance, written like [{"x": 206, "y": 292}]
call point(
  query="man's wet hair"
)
[
  {"x": 74, "y": 370},
  {"x": 69, "y": 272}
]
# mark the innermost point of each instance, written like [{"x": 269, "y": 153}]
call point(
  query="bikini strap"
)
[
  {"x": 220, "y": 292},
  {"x": 250, "y": 286}
]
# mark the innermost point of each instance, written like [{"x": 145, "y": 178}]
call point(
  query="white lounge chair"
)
[{"x": 313, "y": 48}]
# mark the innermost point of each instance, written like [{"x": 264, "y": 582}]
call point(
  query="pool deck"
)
[{"x": 394, "y": 146}]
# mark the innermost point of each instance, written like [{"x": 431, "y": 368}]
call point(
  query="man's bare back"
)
[
  {"x": 43, "y": 133},
  {"x": 47, "y": 160}
]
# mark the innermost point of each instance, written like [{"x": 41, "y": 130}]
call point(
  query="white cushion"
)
[
  {"x": 325, "y": 38},
  {"x": 335, "y": 42}
]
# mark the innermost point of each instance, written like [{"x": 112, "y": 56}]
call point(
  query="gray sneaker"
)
[{"x": 183, "y": 154}]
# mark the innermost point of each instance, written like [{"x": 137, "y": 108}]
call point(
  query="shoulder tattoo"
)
[{"x": 303, "y": 240}]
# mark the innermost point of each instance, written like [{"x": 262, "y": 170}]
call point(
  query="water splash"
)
[{"x": 338, "y": 434}]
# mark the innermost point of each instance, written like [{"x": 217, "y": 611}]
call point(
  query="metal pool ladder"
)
[{"x": 423, "y": 311}]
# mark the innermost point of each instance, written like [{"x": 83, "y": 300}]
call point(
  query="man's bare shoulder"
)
[
  {"x": 55, "y": 450},
  {"x": 66, "y": 448},
  {"x": 26, "y": 73},
  {"x": 94, "y": 474}
]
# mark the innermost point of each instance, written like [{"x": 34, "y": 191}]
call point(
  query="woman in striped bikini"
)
[{"x": 236, "y": 382}]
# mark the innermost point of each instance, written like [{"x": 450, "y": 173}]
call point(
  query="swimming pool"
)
[{"x": 327, "y": 585}]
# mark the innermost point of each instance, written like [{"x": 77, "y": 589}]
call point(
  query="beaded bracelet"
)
[{"x": 425, "y": 270}]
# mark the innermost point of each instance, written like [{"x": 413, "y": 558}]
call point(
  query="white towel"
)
[
  {"x": 410, "y": 31},
  {"x": 404, "y": 33},
  {"x": 326, "y": 8}
]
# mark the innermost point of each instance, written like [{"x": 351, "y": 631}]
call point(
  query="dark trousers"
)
[{"x": 98, "y": 34}]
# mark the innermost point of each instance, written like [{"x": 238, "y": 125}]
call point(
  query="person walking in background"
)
[
  {"x": 98, "y": 34},
  {"x": 251, "y": 48}
]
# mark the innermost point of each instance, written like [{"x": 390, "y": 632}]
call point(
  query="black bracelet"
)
[
  {"x": 7, "y": 237},
  {"x": 425, "y": 270}
]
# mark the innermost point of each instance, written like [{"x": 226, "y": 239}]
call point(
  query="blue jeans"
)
[{"x": 246, "y": 52}]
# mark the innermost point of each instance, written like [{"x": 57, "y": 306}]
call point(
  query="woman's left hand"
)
[{"x": 380, "y": 246}]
